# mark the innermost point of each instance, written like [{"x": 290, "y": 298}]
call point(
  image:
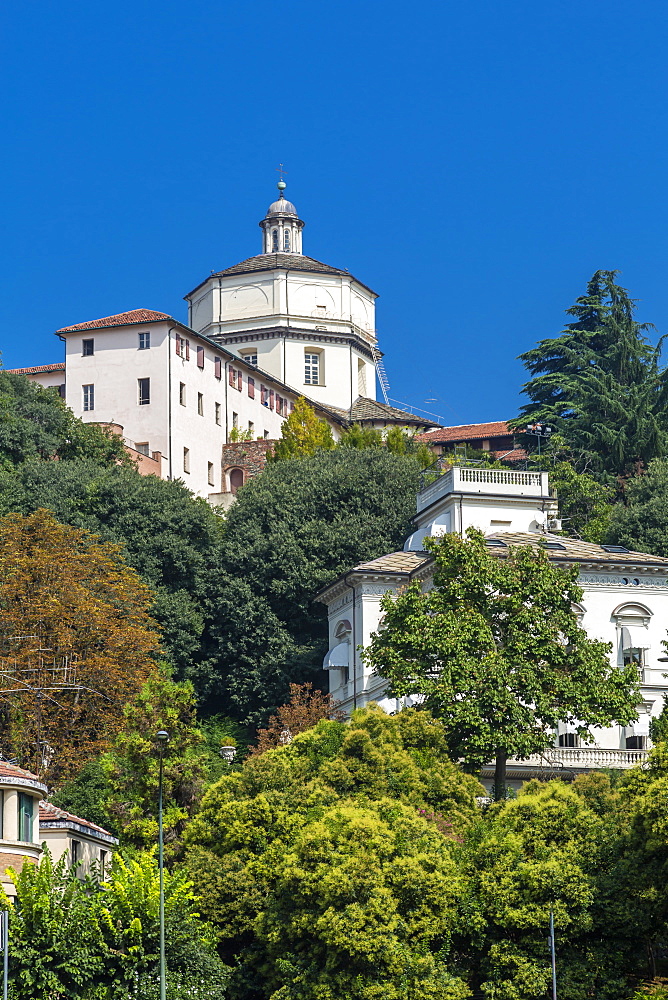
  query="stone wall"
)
[{"x": 248, "y": 456}]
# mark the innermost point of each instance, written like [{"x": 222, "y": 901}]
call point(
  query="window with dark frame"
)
[
  {"x": 182, "y": 393},
  {"x": 186, "y": 459},
  {"x": 26, "y": 812},
  {"x": 88, "y": 348},
  {"x": 217, "y": 411},
  {"x": 145, "y": 341},
  {"x": 88, "y": 397},
  {"x": 210, "y": 471},
  {"x": 200, "y": 404},
  {"x": 144, "y": 386}
]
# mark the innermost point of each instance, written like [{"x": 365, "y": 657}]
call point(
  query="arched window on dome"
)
[
  {"x": 286, "y": 240},
  {"x": 274, "y": 241}
]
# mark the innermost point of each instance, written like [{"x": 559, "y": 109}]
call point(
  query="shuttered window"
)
[
  {"x": 251, "y": 388},
  {"x": 232, "y": 376},
  {"x": 200, "y": 357},
  {"x": 271, "y": 399}
]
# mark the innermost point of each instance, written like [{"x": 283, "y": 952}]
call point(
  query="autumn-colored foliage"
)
[
  {"x": 305, "y": 708},
  {"x": 76, "y": 642}
]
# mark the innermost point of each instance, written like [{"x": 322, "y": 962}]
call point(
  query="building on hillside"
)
[
  {"x": 261, "y": 334},
  {"x": 88, "y": 846},
  {"x": 496, "y": 438},
  {"x": 625, "y": 603},
  {"x": 20, "y": 795}
]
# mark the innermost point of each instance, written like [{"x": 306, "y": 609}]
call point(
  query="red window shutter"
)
[
  {"x": 178, "y": 345},
  {"x": 232, "y": 376},
  {"x": 187, "y": 350},
  {"x": 217, "y": 367},
  {"x": 271, "y": 399},
  {"x": 240, "y": 380},
  {"x": 263, "y": 394},
  {"x": 200, "y": 357},
  {"x": 251, "y": 388}
]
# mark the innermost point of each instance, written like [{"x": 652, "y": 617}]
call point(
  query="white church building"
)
[
  {"x": 625, "y": 603},
  {"x": 259, "y": 335}
]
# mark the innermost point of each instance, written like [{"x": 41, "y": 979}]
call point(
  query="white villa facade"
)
[
  {"x": 625, "y": 603},
  {"x": 260, "y": 334}
]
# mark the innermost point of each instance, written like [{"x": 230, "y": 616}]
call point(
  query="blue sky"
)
[{"x": 474, "y": 163}]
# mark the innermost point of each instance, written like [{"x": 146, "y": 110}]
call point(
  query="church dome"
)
[{"x": 281, "y": 207}]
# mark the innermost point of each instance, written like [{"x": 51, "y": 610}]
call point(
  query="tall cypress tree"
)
[{"x": 600, "y": 383}]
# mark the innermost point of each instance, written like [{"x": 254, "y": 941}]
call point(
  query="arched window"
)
[
  {"x": 632, "y": 620},
  {"x": 236, "y": 479},
  {"x": 286, "y": 239},
  {"x": 274, "y": 241}
]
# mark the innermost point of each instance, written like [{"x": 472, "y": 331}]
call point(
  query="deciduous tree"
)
[
  {"x": 303, "y": 433},
  {"x": 305, "y": 708},
  {"x": 496, "y": 652}
]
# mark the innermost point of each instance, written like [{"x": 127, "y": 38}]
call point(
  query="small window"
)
[
  {"x": 88, "y": 397},
  {"x": 636, "y": 742},
  {"x": 210, "y": 471},
  {"x": 200, "y": 357},
  {"x": 264, "y": 395},
  {"x": 142, "y": 447},
  {"x": 217, "y": 368},
  {"x": 61, "y": 390},
  {"x": 286, "y": 239},
  {"x": 266, "y": 435},
  {"x": 103, "y": 863},
  {"x": 26, "y": 806},
  {"x": 274, "y": 241},
  {"x": 235, "y": 419},
  {"x": 76, "y": 853},
  {"x": 251, "y": 428},
  {"x": 88, "y": 348},
  {"x": 251, "y": 388},
  {"x": 250, "y": 358},
  {"x": 200, "y": 404},
  {"x": 144, "y": 345},
  {"x": 182, "y": 393},
  {"x": 186, "y": 459},
  {"x": 271, "y": 399},
  {"x": 569, "y": 740},
  {"x": 311, "y": 368},
  {"x": 144, "y": 385},
  {"x": 217, "y": 411}
]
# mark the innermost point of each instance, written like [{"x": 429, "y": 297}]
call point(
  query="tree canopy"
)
[
  {"x": 600, "y": 382},
  {"x": 303, "y": 433},
  {"x": 496, "y": 652}
]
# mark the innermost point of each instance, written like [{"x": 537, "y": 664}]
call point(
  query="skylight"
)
[
  {"x": 554, "y": 545},
  {"x": 615, "y": 548},
  {"x": 497, "y": 542}
]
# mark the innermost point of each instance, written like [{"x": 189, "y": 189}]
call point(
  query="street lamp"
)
[
  {"x": 162, "y": 738},
  {"x": 538, "y": 431}
]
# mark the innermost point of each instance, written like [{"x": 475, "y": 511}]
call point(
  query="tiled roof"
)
[
  {"x": 50, "y": 813},
  {"x": 59, "y": 366},
  {"x": 515, "y": 455},
  {"x": 119, "y": 319},
  {"x": 394, "y": 562},
  {"x": 575, "y": 550},
  {"x": 12, "y": 771},
  {"x": 467, "y": 432},
  {"x": 269, "y": 261},
  {"x": 370, "y": 409}
]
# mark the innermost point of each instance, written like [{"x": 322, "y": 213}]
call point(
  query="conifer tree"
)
[
  {"x": 600, "y": 383},
  {"x": 303, "y": 434}
]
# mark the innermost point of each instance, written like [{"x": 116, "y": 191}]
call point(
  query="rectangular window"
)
[
  {"x": 186, "y": 459},
  {"x": 271, "y": 399},
  {"x": 251, "y": 388},
  {"x": 142, "y": 447},
  {"x": 264, "y": 395},
  {"x": 251, "y": 428},
  {"x": 103, "y": 863},
  {"x": 235, "y": 419},
  {"x": 311, "y": 369},
  {"x": 177, "y": 343},
  {"x": 250, "y": 358},
  {"x": 210, "y": 467},
  {"x": 240, "y": 379},
  {"x": 26, "y": 806},
  {"x": 266, "y": 435},
  {"x": 88, "y": 397},
  {"x": 87, "y": 348},
  {"x": 182, "y": 393},
  {"x": 144, "y": 343},
  {"x": 200, "y": 404},
  {"x": 217, "y": 406},
  {"x": 144, "y": 385},
  {"x": 232, "y": 377},
  {"x": 187, "y": 343},
  {"x": 217, "y": 368},
  {"x": 76, "y": 853},
  {"x": 200, "y": 357}
]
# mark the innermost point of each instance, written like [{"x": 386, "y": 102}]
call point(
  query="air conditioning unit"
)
[{"x": 554, "y": 524}]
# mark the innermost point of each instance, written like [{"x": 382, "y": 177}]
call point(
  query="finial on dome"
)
[{"x": 281, "y": 187}]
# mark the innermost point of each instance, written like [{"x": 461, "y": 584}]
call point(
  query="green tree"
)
[
  {"x": 36, "y": 424},
  {"x": 303, "y": 434},
  {"x": 497, "y": 653},
  {"x": 586, "y": 506},
  {"x": 641, "y": 522},
  {"x": 600, "y": 383},
  {"x": 131, "y": 766}
]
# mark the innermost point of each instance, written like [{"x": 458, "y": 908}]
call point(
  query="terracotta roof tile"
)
[
  {"x": 59, "y": 366},
  {"x": 467, "y": 432},
  {"x": 119, "y": 319},
  {"x": 48, "y": 812},
  {"x": 13, "y": 771}
]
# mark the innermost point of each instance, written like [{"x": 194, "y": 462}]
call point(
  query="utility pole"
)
[{"x": 162, "y": 738}]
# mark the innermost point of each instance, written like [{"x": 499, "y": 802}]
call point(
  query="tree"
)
[
  {"x": 496, "y": 652},
  {"x": 302, "y": 434},
  {"x": 320, "y": 874},
  {"x": 586, "y": 506},
  {"x": 36, "y": 424},
  {"x": 76, "y": 641},
  {"x": 305, "y": 708},
  {"x": 600, "y": 383},
  {"x": 131, "y": 766},
  {"x": 641, "y": 522}
]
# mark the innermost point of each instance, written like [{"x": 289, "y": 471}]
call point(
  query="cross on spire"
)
[{"x": 280, "y": 170}]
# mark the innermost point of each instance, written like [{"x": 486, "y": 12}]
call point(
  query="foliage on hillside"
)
[
  {"x": 302, "y": 434},
  {"x": 74, "y": 622}
]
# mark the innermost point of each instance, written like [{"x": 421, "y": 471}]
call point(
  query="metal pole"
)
[
  {"x": 554, "y": 958},
  {"x": 162, "y": 737},
  {"x": 5, "y": 948}
]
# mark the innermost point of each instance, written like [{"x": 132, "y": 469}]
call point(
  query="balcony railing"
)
[
  {"x": 441, "y": 478},
  {"x": 583, "y": 758}
]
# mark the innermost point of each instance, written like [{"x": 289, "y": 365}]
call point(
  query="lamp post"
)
[
  {"x": 162, "y": 738},
  {"x": 539, "y": 431}
]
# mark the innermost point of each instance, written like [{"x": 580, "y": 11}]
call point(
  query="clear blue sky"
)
[{"x": 473, "y": 163}]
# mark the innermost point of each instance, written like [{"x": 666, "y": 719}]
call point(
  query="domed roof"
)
[{"x": 281, "y": 207}]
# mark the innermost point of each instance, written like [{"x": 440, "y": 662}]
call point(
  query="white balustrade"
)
[{"x": 582, "y": 758}]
